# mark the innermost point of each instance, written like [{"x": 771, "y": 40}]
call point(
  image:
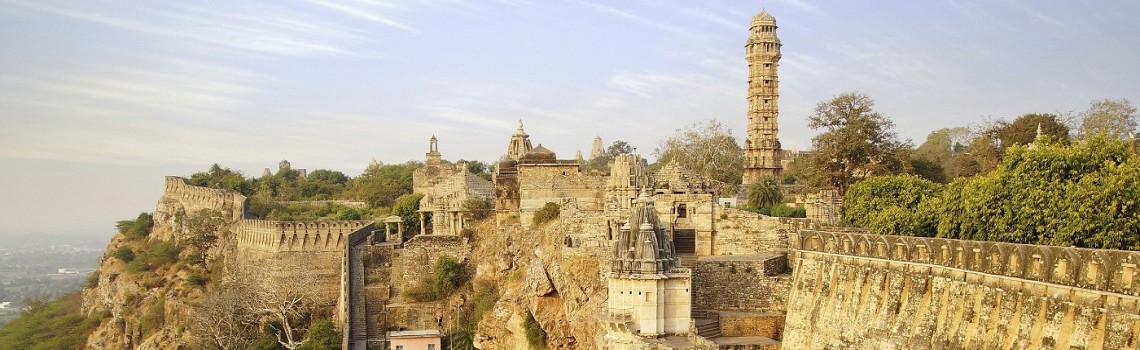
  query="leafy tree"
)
[
  {"x": 203, "y": 227},
  {"x": 764, "y": 193},
  {"x": 1023, "y": 130},
  {"x": 944, "y": 155},
  {"x": 407, "y": 208},
  {"x": 1084, "y": 195},
  {"x": 602, "y": 162},
  {"x": 1113, "y": 118},
  {"x": 891, "y": 205},
  {"x": 380, "y": 185},
  {"x": 222, "y": 178},
  {"x": 928, "y": 169},
  {"x": 322, "y": 335},
  {"x": 138, "y": 228},
  {"x": 856, "y": 142},
  {"x": 706, "y": 148}
]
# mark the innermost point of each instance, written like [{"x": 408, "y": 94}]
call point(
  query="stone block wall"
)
[
  {"x": 561, "y": 184},
  {"x": 750, "y": 324},
  {"x": 289, "y": 236},
  {"x": 741, "y": 283},
  {"x": 180, "y": 198},
  {"x": 415, "y": 261},
  {"x": 743, "y": 232}
]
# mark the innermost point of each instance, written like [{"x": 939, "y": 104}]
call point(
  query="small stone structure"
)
[{"x": 644, "y": 262}]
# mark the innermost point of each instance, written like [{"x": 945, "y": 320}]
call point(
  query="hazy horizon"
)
[{"x": 100, "y": 100}]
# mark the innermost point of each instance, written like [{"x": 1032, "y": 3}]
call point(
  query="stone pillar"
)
[{"x": 423, "y": 229}]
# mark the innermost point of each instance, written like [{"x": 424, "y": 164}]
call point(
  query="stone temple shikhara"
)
[{"x": 641, "y": 259}]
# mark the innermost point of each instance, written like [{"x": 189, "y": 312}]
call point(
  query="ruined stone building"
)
[
  {"x": 446, "y": 189},
  {"x": 762, "y": 148}
]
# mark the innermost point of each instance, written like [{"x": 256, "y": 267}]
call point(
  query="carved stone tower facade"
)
[
  {"x": 762, "y": 51},
  {"x": 519, "y": 145}
]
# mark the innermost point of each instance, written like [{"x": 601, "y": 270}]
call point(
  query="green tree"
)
[
  {"x": 222, "y": 178},
  {"x": 1113, "y": 118},
  {"x": 602, "y": 162},
  {"x": 547, "y": 213},
  {"x": 706, "y": 148},
  {"x": 407, "y": 207},
  {"x": 856, "y": 142},
  {"x": 1023, "y": 130},
  {"x": 1084, "y": 195},
  {"x": 891, "y": 205},
  {"x": 764, "y": 193},
  {"x": 138, "y": 228},
  {"x": 322, "y": 335},
  {"x": 946, "y": 148},
  {"x": 203, "y": 228},
  {"x": 381, "y": 185}
]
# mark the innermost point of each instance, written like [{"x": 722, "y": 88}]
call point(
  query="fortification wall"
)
[
  {"x": 179, "y": 198},
  {"x": 741, "y": 283},
  {"x": 288, "y": 236},
  {"x": 863, "y": 291},
  {"x": 743, "y": 232}
]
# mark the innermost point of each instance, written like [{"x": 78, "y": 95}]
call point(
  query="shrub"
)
[
  {"x": 154, "y": 317},
  {"x": 197, "y": 279},
  {"x": 889, "y": 205},
  {"x": 446, "y": 276},
  {"x": 124, "y": 253},
  {"x": 137, "y": 228},
  {"x": 547, "y": 213},
  {"x": 535, "y": 335},
  {"x": 321, "y": 336},
  {"x": 92, "y": 280}
]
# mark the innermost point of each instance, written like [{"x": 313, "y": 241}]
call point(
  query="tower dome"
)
[{"x": 642, "y": 246}]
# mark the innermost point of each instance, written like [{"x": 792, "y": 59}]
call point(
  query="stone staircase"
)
[
  {"x": 708, "y": 324},
  {"x": 358, "y": 309},
  {"x": 689, "y": 261}
]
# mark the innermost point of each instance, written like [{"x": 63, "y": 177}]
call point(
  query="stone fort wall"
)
[
  {"x": 856, "y": 290},
  {"x": 180, "y": 197},
  {"x": 289, "y": 236},
  {"x": 743, "y": 232}
]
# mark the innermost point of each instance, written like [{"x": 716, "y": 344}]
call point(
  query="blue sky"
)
[{"x": 100, "y": 99}]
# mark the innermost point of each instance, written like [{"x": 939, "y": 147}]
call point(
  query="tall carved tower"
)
[{"x": 762, "y": 51}]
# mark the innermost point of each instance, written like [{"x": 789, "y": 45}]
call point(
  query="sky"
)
[{"x": 101, "y": 99}]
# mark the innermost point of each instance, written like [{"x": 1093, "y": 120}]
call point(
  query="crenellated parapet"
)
[
  {"x": 178, "y": 196},
  {"x": 299, "y": 236},
  {"x": 1113, "y": 271}
]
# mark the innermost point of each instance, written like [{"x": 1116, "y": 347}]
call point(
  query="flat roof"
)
[
  {"x": 740, "y": 257},
  {"x": 425, "y": 333}
]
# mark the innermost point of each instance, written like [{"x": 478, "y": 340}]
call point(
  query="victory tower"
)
[{"x": 762, "y": 51}]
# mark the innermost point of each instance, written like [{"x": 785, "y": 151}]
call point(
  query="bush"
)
[
  {"x": 124, "y": 253},
  {"x": 92, "y": 280},
  {"x": 197, "y": 279},
  {"x": 889, "y": 205},
  {"x": 321, "y": 336},
  {"x": 137, "y": 228},
  {"x": 548, "y": 213},
  {"x": 785, "y": 211},
  {"x": 153, "y": 319},
  {"x": 535, "y": 335},
  {"x": 446, "y": 276}
]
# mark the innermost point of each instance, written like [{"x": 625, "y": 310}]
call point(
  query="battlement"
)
[
  {"x": 1113, "y": 271},
  {"x": 288, "y": 236},
  {"x": 179, "y": 198}
]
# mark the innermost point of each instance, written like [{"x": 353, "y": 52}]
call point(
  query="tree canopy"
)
[
  {"x": 1112, "y": 118},
  {"x": 706, "y": 148},
  {"x": 856, "y": 142},
  {"x": 1084, "y": 195}
]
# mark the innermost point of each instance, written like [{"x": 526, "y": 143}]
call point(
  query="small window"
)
[
  {"x": 431, "y": 346},
  {"x": 399, "y": 347}
]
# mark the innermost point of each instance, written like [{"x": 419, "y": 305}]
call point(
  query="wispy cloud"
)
[{"x": 367, "y": 10}]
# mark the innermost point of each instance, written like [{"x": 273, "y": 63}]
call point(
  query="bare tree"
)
[
  {"x": 707, "y": 148},
  {"x": 284, "y": 297},
  {"x": 1115, "y": 118},
  {"x": 223, "y": 320}
]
